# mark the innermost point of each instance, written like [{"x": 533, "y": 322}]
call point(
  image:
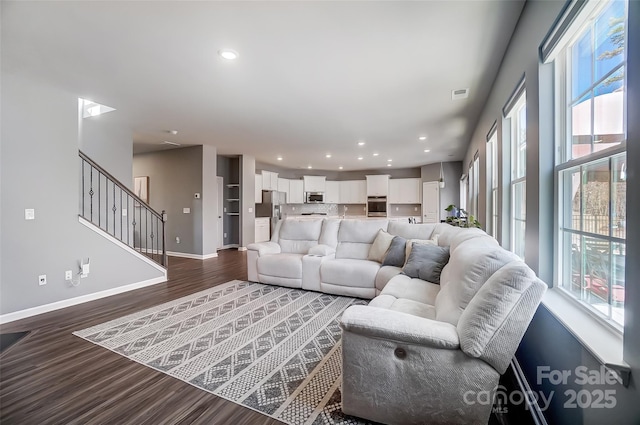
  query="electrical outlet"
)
[
  {"x": 197, "y": 196},
  {"x": 42, "y": 279},
  {"x": 29, "y": 214},
  {"x": 68, "y": 275},
  {"x": 224, "y": 235},
  {"x": 177, "y": 239}
]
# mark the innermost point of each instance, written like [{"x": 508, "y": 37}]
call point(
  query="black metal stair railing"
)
[{"x": 114, "y": 208}]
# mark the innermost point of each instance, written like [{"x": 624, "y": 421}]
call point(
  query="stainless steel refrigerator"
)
[{"x": 271, "y": 206}]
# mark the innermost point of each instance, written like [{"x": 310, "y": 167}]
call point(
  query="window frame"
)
[
  {"x": 565, "y": 162},
  {"x": 493, "y": 213},
  {"x": 517, "y": 103}
]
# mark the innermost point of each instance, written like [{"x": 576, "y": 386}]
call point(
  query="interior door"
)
[
  {"x": 220, "y": 215},
  {"x": 430, "y": 202}
]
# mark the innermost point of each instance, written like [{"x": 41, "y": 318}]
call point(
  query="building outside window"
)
[{"x": 591, "y": 165}]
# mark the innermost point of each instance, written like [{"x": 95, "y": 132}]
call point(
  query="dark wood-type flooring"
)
[{"x": 54, "y": 377}]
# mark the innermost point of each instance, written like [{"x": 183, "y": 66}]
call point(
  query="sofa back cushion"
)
[
  {"x": 329, "y": 233},
  {"x": 494, "y": 322},
  {"x": 466, "y": 234},
  {"x": 469, "y": 267},
  {"x": 411, "y": 231},
  {"x": 297, "y": 236},
  {"x": 445, "y": 233},
  {"x": 356, "y": 236}
]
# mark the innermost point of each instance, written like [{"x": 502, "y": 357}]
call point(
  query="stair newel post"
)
[{"x": 164, "y": 240}]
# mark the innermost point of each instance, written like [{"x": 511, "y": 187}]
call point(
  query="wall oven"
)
[{"x": 377, "y": 206}]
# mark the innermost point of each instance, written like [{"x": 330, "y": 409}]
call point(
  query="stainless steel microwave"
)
[{"x": 314, "y": 198}]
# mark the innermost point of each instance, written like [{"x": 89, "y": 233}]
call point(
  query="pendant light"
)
[{"x": 441, "y": 179}]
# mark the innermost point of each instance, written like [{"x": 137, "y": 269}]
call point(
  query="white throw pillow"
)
[{"x": 380, "y": 246}]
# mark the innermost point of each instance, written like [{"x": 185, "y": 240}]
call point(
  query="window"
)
[
  {"x": 591, "y": 165},
  {"x": 517, "y": 118},
  {"x": 474, "y": 173},
  {"x": 464, "y": 185},
  {"x": 492, "y": 185}
]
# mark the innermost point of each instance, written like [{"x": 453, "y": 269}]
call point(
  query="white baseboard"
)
[
  {"x": 192, "y": 256},
  {"x": 242, "y": 248},
  {"x": 46, "y": 308}
]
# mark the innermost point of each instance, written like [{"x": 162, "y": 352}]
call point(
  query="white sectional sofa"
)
[{"x": 419, "y": 349}]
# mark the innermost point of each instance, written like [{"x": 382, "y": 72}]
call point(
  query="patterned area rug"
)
[{"x": 272, "y": 349}]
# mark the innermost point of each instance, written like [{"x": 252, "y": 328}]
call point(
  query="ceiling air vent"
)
[{"x": 459, "y": 94}]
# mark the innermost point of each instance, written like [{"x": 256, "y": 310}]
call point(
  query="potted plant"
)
[{"x": 460, "y": 217}]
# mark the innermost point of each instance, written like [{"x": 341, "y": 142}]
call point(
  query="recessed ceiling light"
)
[
  {"x": 359, "y": 158},
  {"x": 376, "y": 154},
  {"x": 360, "y": 143},
  {"x": 389, "y": 160},
  {"x": 309, "y": 166},
  {"x": 174, "y": 132},
  {"x": 279, "y": 158},
  {"x": 427, "y": 150},
  {"x": 328, "y": 155},
  {"x": 340, "y": 167},
  {"x": 422, "y": 138},
  {"x": 228, "y": 54},
  {"x": 388, "y": 165}
]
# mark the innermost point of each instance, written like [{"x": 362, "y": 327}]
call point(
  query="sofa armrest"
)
[
  {"x": 321, "y": 250},
  {"x": 264, "y": 248},
  {"x": 393, "y": 325}
]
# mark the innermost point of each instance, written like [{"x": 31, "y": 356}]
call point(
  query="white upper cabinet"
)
[
  {"x": 405, "y": 191},
  {"x": 269, "y": 180},
  {"x": 258, "y": 188},
  {"x": 314, "y": 183},
  {"x": 296, "y": 192},
  {"x": 378, "y": 185},
  {"x": 332, "y": 193},
  {"x": 353, "y": 192},
  {"x": 283, "y": 186}
]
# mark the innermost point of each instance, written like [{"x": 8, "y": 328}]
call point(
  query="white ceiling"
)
[{"x": 312, "y": 77}]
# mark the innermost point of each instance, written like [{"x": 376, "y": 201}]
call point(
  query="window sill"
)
[{"x": 603, "y": 342}]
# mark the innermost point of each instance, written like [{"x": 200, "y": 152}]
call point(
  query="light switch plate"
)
[
  {"x": 250, "y": 209},
  {"x": 29, "y": 214},
  {"x": 186, "y": 210},
  {"x": 124, "y": 212}
]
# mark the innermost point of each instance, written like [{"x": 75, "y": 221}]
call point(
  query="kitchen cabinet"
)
[
  {"x": 296, "y": 192},
  {"x": 405, "y": 191},
  {"x": 314, "y": 183},
  {"x": 262, "y": 229},
  {"x": 258, "y": 188},
  {"x": 332, "y": 193},
  {"x": 269, "y": 180},
  {"x": 283, "y": 186},
  {"x": 353, "y": 192},
  {"x": 378, "y": 185}
]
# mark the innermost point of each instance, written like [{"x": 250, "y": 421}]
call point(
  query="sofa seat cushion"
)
[
  {"x": 402, "y": 286},
  {"x": 349, "y": 272},
  {"x": 385, "y": 274},
  {"x": 404, "y": 305},
  {"x": 281, "y": 265}
]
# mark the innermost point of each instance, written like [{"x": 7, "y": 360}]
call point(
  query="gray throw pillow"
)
[
  {"x": 395, "y": 253},
  {"x": 426, "y": 262}
]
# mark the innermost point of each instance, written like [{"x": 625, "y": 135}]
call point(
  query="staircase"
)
[{"x": 112, "y": 207}]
